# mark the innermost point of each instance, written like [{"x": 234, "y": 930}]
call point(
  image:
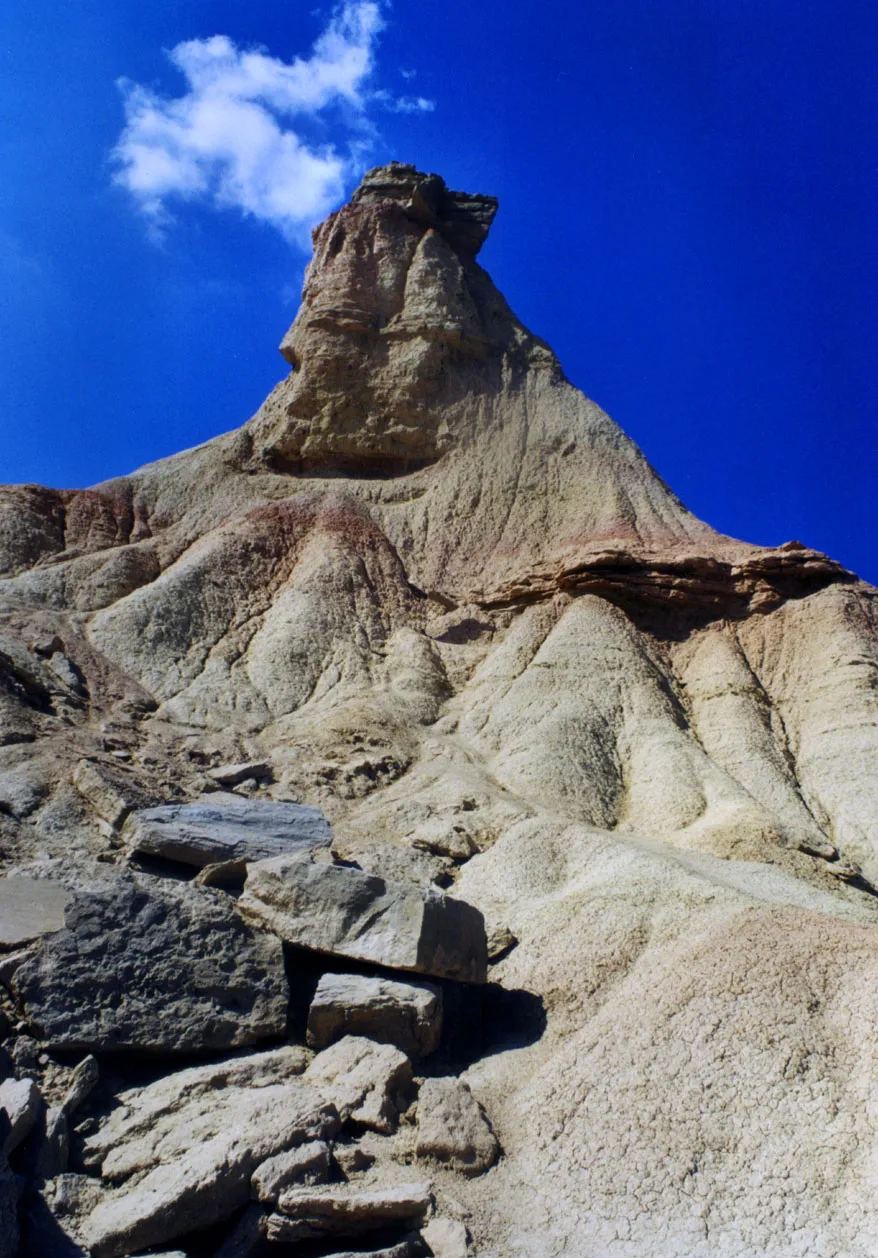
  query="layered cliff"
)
[{"x": 447, "y": 600}]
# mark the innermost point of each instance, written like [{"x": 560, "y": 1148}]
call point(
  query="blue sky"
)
[{"x": 689, "y": 202}]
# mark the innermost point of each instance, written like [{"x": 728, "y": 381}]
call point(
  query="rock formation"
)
[{"x": 561, "y": 735}]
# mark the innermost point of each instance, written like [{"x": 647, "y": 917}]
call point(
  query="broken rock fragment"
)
[
  {"x": 452, "y": 1127},
  {"x": 362, "y": 1080},
  {"x": 110, "y": 794},
  {"x": 190, "y": 1144},
  {"x": 341, "y": 910},
  {"x": 408, "y": 1015},
  {"x": 446, "y": 1238},
  {"x": 307, "y": 1164},
  {"x": 208, "y": 833},
  {"x": 234, "y": 774},
  {"x": 165, "y": 967},
  {"x": 345, "y": 1210}
]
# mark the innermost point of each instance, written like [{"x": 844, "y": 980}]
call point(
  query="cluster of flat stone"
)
[{"x": 312, "y": 1143}]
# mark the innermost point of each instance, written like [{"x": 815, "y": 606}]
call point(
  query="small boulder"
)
[
  {"x": 362, "y": 1080},
  {"x": 21, "y": 1100},
  {"x": 166, "y": 967},
  {"x": 501, "y": 941},
  {"x": 231, "y": 829},
  {"x": 408, "y": 1015},
  {"x": 82, "y": 1084},
  {"x": 452, "y": 1127},
  {"x": 307, "y": 1164},
  {"x": 233, "y": 774},
  {"x": 446, "y": 1238},
  {"x": 345, "y": 912},
  {"x": 352, "y": 1159}
]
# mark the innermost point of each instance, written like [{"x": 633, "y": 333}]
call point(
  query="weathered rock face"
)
[
  {"x": 143, "y": 966},
  {"x": 343, "y": 911},
  {"x": 447, "y": 601}
]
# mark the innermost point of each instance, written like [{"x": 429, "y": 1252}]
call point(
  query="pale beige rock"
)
[
  {"x": 306, "y": 1164},
  {"x": 446, "y": 1238},
  {"x": 234, "y": 774},
  {"x": 340, "y": 910},
  {"x": 408, "y": 1015},
  {"x": 452, "y": 1127},
  {"x": 345, "y": 1209},
  {"x": 21, "y": 1100},
  {"x": 191, "y": 1144},
  {"x": 363, "y": 1080},
  {"x": 30, "y": 908},
  {"x": 109, "y": 800}
]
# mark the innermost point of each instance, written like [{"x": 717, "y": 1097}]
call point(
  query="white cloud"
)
[{"x": 243, "y": 135}]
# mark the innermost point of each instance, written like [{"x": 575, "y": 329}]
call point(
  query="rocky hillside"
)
[{"x": 419, "y": 833}]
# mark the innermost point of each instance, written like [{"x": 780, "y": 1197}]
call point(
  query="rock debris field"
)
[{"x": 421, "y": 835}]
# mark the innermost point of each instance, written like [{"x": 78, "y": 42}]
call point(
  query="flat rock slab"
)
[
  {"x": 167, "y": 967},
  {"x": 345, "y": 1210},
  {"x": 452, "y": 1127},
  {"x": 345, "y": 912},
  {"x": 208, "y": 833},
  {"x": 29, "y": 908},
  {"x": 408, "y": 1015},
  {"x": 190, "y": 1143},
  {"x": 405, "y": 1249}
]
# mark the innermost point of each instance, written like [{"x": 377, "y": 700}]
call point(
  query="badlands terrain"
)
[{"x": 419, "y": 833}]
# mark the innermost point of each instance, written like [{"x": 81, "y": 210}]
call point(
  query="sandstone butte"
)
[{"x": 446, "y": 600}]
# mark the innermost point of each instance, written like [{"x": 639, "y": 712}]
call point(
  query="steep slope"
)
[{"x": 452, "y": 604}]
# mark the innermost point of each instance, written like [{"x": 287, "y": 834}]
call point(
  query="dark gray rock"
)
[
  {"x": 9, "y": 1193},
  {"x": 340, "y": 910},
  {"x": 408, "y": 1015},
  {"x": 166, "y": 967},
  {"x": 52, "y": 1146},
  {"x": 208, "y": 833},
  {"x": 246, "y": 1237}
]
